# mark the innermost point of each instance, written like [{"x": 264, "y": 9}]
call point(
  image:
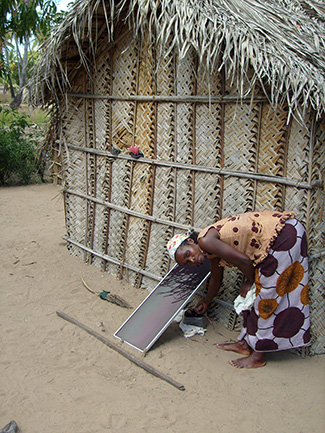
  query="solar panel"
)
[{"x": 161, "y": 306}]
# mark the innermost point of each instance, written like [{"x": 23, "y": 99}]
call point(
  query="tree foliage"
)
[
  {"x": 18, "y": 147},
  {"x": 24, "y": 24}
]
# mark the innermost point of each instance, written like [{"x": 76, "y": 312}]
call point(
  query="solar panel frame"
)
[{"x": 155, "y": 313}]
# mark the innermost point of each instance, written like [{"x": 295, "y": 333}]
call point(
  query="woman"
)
[{"x": 270, "y": 249}]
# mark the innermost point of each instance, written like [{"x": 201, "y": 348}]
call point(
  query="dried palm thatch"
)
[
  {"x": 282, "y": 40},
  {"x": 226, "y": 101}
]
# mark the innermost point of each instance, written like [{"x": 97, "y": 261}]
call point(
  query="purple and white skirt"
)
[{"x": 279, "y": 318}]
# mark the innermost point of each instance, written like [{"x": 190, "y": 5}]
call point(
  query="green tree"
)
[
  {"x": 18, "y": 147},
  {"x": 23, "y": 24}
]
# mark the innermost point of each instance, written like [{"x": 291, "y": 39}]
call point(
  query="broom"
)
[{"x": 108, "y": 296}]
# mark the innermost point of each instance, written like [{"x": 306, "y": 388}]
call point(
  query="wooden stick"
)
[
  {"x": 88, "y": 288},
  {"x": 123, "y": 352},
  {"x": 201, "y": 169},
  {"x": 127, "y": 211},
  {"x": 167, "y": 98}
]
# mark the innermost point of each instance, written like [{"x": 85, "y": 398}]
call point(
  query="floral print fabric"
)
[
  {"x": 279, "y": 318},
  {"x": 251, "y": 233}
]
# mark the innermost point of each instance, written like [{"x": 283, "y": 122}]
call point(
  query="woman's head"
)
[{"x": 185, "y": 249}]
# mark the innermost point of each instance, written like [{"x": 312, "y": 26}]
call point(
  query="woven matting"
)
[{"x": 204, "y": 159}]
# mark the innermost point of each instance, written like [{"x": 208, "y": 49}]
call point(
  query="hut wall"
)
[{"x": 206, "y": 156}]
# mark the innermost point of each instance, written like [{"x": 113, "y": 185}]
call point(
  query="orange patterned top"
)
[{"x": 252, "y": 233}]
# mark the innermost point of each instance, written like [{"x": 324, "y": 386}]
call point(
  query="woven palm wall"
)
[{"x": 206, "y": 155}]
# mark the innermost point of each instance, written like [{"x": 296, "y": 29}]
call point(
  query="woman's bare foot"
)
[
  {"x": 254, "y": 360},
  {"x": 239, "y": 347}
]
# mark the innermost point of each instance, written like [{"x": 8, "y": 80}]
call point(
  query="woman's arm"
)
[
  {"x": 215, "y": 282},
  {"x": 213, "y": 245}
]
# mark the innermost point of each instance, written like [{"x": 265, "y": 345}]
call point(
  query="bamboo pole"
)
[
  {"x": 130, "y": 212},
  {"x": 219, "y": 171},
  {"x": 222, "y": 144},
  {"x": 122, "y": 352},
  {"x": 112, "y": 260},
  {"x": 174, "y": 89},
  {"x": 134, "y": 126},
  {"x": 310, "y": 170},
  {"x": 109, "y": 141},
  {"x": 137, "y": 215},
  {"x": 285, "y": 161},
  {"x": 92, "y": 143},
  {"x": 166, "y": 98},
  {"x": 152, "y": 169},
  {"x": 257, "y": 155},
  {"x": 141, "y": 271},
  {"x": 87, "y": 258},
  {"x": 127, "y": 223},
  {"x": 194, "y": 126}
]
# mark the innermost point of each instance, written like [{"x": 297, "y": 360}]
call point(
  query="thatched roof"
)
[{"x": 282, "y": 40}]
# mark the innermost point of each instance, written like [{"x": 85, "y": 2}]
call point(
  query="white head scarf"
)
[{"x": 174, "y": 243}]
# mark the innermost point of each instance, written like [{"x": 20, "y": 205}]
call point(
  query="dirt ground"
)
[{"x": 54, "y": 377}]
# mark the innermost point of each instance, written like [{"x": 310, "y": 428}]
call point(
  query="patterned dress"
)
[{"x": 279, "y": 318}]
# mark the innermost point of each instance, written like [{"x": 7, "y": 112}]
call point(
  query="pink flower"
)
[{"x": 134, "y": 149}]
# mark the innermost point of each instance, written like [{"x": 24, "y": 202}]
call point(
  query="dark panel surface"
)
[{"x": 155, "y": 313}]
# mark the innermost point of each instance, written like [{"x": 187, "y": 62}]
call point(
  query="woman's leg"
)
[
  {"x": 279, "y": 319},
  {"x": 254, "y": 360},
  {"x": 238, "y": 347}
]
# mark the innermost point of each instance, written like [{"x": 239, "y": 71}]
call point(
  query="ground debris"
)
[{"x": 108, "y": 296}]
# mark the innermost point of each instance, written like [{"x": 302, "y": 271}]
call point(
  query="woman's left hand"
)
[{"x": 244, "y": 288}]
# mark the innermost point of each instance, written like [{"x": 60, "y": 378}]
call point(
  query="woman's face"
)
[{"x": 189, "y": 253}]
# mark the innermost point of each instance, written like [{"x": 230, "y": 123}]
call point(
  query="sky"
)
[{"x": 62, "y": 4}]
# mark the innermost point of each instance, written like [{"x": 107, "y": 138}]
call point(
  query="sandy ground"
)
[{"x": 56, "y": 378}]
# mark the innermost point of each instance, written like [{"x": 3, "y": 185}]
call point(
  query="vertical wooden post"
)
[
  {"x": 310, "y": 169},
  {"x": 92, "y": 126},
  {"x": 285, "y": 162},
  {"x": 153, "y": 167},
  {"x": 108, "y": 141},
  {"x": 86, "y": 255},
  {"x": 258, "y": 142},
  {"x": 222, "y": 144},
  {"x": 132, "y": 163},
  {"x": 194, "y": 139}
]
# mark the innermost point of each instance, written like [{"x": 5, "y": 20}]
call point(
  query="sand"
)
[{"x": 56, "y": 378}]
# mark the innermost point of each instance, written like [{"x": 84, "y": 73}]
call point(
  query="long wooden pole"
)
[
  {"x": 220, "y": 171},
  {"x": 167, "y": 98},
  {"x": 122, "y": 352}
]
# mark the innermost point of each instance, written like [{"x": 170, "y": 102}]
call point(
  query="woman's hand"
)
[
  {"x": 244, "y": 288},
  {"x": 201, "y": 307}
]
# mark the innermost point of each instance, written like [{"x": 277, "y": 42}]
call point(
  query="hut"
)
[{"x": 224, "y": 99}]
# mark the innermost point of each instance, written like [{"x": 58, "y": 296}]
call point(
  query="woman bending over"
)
[{"x": 270, "y": 249}]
